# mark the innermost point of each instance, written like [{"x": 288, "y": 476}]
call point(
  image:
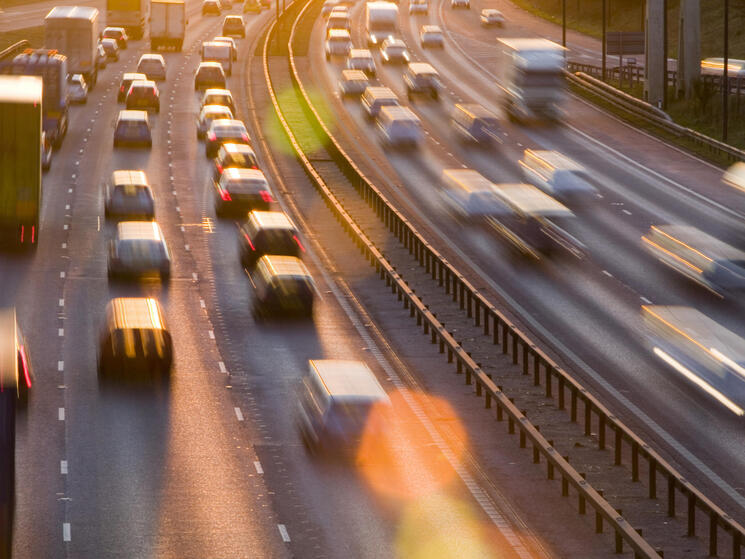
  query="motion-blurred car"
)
[
  {"x": 234, "y": 26},
  {"x": 353, "y": 83},
  {"x": 430, "y": 36},
  {"x": 399, "y": 127},
  {"x": 240, "y": 156},
  {"x": 102, "y": 60},
  {"x": 218, "y": 96},
  {"x": 491, "y": 17},
  {"x": 394, "y": 51},
  {"x": 77, "y": 89},
  {"x": 361, "y": 59},
  {"x": 239, "y": 191},
  {"x": 421, "y": 78},
  {"x": 223, "y": 131},
  {"x": 338, "y": 19},
  {"x": 338, "y": 43},
  {"x": 139, "y": 250},
  {"x": 135, "y": 341},
  {"x": 208, "y": 114},
  {"x": 118, "y": 34},
  {"x": 209, "y": 74},
  {"x": 127, "y": 80},
  {"x": 219, "y": 51},
  {"x": 329, "y": 5},
  {"x": 376, "y": 97},
  {"x": 283, "y": 287},
  {"x": 16, "y": 373},
  {"x": 418, "y": 7},
  {"x": 46, "y": 152},
  {"x": 211, "y": 8},
  {"x": 129, "y": 196},
  {"x": 267, "y": 233},
  {"x": 111, "y": 47},
  {"x": 153, "y": 66},
  {"x": 474, "y": 123},
  {"x": 251, "y": 7},
  {"x": 132, "y": 129},
  {"x": 460, "y": 4},
  {"x": 231, "y": 42},
  {"x": 143, "y": 94},
  {"x": 340, "y": 401},
  {"x": 558, "y": 175},
  {"x": 225, "y": 4}
]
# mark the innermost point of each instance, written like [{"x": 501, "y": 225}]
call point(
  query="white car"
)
[
  {"x": 353, "y": 82},
  {"x": 77, "y": 89},
  {"x": 491, "y": 17},
  {"x": 208, "y": 114},
  {"x": 418, "y": 7},
  {"x": 431, "y": 36},
  {"x": 153, "y": 66},
  {"x": 230, "y": 40},
  {"x": 361, "y": 59},
  {"x": 460, "y": 4},
  {"x": 338, "y": 43},
  {"x": 394, "y": 51}
]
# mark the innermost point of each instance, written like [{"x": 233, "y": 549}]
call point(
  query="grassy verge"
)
[{"x": 35, "y": 35}]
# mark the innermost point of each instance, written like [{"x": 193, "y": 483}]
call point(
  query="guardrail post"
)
[
  {"x": 635, "y": 461},
  {"x": 670, "y": 496},
  {"x": 549, "y": 380},
  {"x": 462, "y": 295},
  {"x": 588, "y": 416},
  {"x": 504, "y": 338},
  {"x": 500, "y": 416},
  {"x": 439, "y": 273},
  {"x": 736, "y": 545},
  {"x": 601, "y": 431},
  {"x": 469, "y": 300},
  {"x": 691, "y": 514},
  {"x": 536, "y": 370},
  {"x": 619, "y": 542},
  {"x": 514, "y": 347},
  {"x": 564, "y": 486},
  {"x": 652, "y": 478},
  {"x": 477, "y": 311},
  {"x": 713, "y": 534},
  {"x": 447, "y": 281},
  {"x": 549, "y": 469},
  {"x": 573, "y": 407},
  {"x": 495, "y": 330},
  {"x": 561, "y": 392},
  {"x": 618, "y": 446},
  {"x": 525, "y": 358},
  {"x": 510, "y": 425}
]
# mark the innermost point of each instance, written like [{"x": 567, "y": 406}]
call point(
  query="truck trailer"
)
[
  {"x": 73, "y": 31},
  {"x": 167, "y": 24},
  {"x": 52, "y": 67},
  {"x": 531, "y": 77},
  {"x": 20, "y": 160},
  {"x": 381, "y": 20},
  {"x": 130, "y": 14}
]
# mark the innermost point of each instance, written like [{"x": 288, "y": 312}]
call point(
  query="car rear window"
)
[{"x": 240, "y": 160}]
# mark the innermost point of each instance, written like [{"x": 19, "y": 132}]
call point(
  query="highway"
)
[
  {"x": 211, "y": 466},
  {"x": 587, "y": 311}
]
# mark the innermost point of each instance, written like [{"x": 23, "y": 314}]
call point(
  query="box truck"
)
[
  {"x": 381, "y": 20},
  {"x": 167, "y": 24},
  {"x": 73, "y": 31},
  {"x": 130, "y": 14},
  {"x": 20, "y": 159}
]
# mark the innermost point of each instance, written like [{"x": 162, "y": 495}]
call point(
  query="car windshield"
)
[
  {"x": 229, "y": 131},
  {"x": 141, "y": 251}
]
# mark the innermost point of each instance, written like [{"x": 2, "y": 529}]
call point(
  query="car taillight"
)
[
  {"x": 266, "y": 196},
  {"x": 211, "y": 136},
  {"x": 299, "y": 243},
  {"x": 24, "y": 364},
  {"x": 244, "y": 137},
  {"x": 249, "y": 242},
  {"x": 219, "y": 168},
  {"x": 121, "y": 89},
  {"x": 155, "y": 91},
  {"x": 225, "y": 195}
]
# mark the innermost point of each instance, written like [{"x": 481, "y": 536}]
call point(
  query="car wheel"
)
[
  {"x": 165, "y": 277},
  {"x": 149, "y": 143}
]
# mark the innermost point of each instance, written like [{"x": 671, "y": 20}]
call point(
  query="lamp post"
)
[
  {"x": 605, "y": 24},
  {"x": 725, "y": 73},
  {"x": 564, "y": 23},
  {"x": 664, "y": 52}
]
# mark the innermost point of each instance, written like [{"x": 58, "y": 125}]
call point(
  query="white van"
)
[
  {"x": 557, "y": 175},
  {"x": 213, "y": 51},
  {"x": 470, "y": 194},
  {"x": 399, "y": 127}
]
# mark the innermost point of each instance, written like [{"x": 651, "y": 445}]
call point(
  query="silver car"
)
[
  {"x": 208, "y": 114},
  {"x": 77, "y": 89}
]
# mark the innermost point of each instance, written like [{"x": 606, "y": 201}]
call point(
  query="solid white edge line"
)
[
  {"x": 60, "y": 366},
  {"x": 222, "y": 367},
  {"x": 238, "y": 413},
  {"x": 66, "y": 532},
  {"x": 61, "y": 414},
  {"x": 257, "y": 465},
  {"x": 63, "y": 467},
  {"x": 283, "y": 532}
]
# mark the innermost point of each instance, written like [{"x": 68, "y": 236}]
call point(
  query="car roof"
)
[
  {"x": 398, "y": 112},
  {"x": 222, "y": 39},
  {"x": 234, "y": 17},
  {"x": 271, "y": 220},
  {"x": 379, "y": 91},
  {"x": 431, "y": 29},
  {"x": 339, "y": 34},
  {"x": 394, "y": 42},
  {"x": 697, "y": 240},
  {"x": 217, "y": 91},
  {"x": 287, "y": 266},
  {"x": 209, "y": 64},
  {"x": 361, "y": 53},
  {"x": 422, "y": 68},
  {"x": 555, "y": 159},
  {"x": 130, "y": 114},
  {"x": 135, "y": 313},
  {"x": 348, "y": 379},
  {"x": 152, "y": 56},
  {"x": 113, "y": 28},
  {"x": 216, "y": 109},
  {"x": 133, "y": 76},
  {"x": 530, "y": 200},
  {"x": 109, "y": 41},
  {"x": 227, "y": 122},
  {"x": 128, "y": 176},
  {"x": 232, "y": 147},
  {"x": 139, "y": 231},
  {"x": 350, "y": 75},
  {"x": 144, "y": 83},
  {"x": 239, "y": 173}
]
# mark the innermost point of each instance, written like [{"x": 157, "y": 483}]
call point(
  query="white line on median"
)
[
  {"x": 61, "y": 332},
  {"x": 211, "y": 334},
  {"x": 60, "y": 366},
  {"x": 257, "y": 465},
  {"x": 63, "y": 467},
  {"x": 66, "y": 536},
  {"x": 283, "y": 532},
  {"x": 61, "y": 414},
  {"x": 222, "y": 367},
  {"x": 62, "y": 274},
  {"x": 61, "y": 302},
  {"x": 238, "y": 414}
]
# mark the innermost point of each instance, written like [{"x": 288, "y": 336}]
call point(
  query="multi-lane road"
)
[{"x": 213, "y": 466}]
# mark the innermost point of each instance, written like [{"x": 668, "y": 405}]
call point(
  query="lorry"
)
[
  {"x": 531, "y": 77},
  {"x": 130, "y": 14},
  {"x": 381, "y": 21},
  {"x": 52, "y": 67},
  {"x": 167, "y": 24},
  {"x": 20, "y": 160},
  {"x": 73, "y": 31}
]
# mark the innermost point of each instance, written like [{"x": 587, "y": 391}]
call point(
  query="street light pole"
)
[
  {"x": 725, "y": 73},
  {"x": 564, "y": 23},
  {"x": 664, "y": 52},
  {"x": 605, "y": 24}
]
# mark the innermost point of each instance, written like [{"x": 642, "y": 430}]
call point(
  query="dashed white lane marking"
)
[
  {"x": 60, "y": 366},
  {"x": 257, "y": 465},
  {"x": 222, "y": 367},
  {"x": 646, "y": 301},
  {"x": 238, "y": 413},
  {"x": 61, "y": 332},
  {"x": 69, "y": 190},
  {"x": 194, "y": 276},
  {"x": 283, "y": 532},
  {"x": 61, "y": 302},
  {"x": 211, "y": 334},
  {"x": 607, "y": 273},
  {"x": 66, "y": 535},
  {"x": 183, "y": 229},
  {"x": 62, "y": 274},
  {"x": 64, "y": 245},
  {"x": 627, "y": 212},
  {"x": 67, "y": 206},
  {"x": 202, "y": 304},
  {"x": 63, "y": 467},
  {"x": 65, "y": 227},
  {"x": 186, "y": 248},
  {"x": 61, "y": 414}
]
